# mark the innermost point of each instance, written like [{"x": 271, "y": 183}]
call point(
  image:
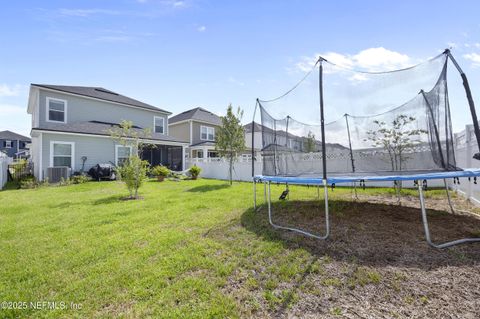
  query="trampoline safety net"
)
[{"x": 409, "y": 131}]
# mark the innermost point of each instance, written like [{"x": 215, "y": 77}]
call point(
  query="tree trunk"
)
[{"x": 230, "y": 169}]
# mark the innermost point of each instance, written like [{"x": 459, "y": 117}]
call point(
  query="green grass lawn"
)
[{"x": 178, "y": 252}]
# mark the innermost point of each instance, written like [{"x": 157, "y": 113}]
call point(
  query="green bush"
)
[
  {"x": 80, "y": 179},
  {"x": 29, "y": 183},
  {"x": 160, "y": 170},
  {"x": 195, "y": 171},
  {"x": 133, "y": 173}
]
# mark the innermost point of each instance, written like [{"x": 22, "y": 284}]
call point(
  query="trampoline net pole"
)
[
  {"x": 322, "y": 118},
  {"x": 254, "y": 194},
  {"x": 434, "y": 124},
  {"x": 350, "y": 143},
  {"x": 471, "y": 104}
]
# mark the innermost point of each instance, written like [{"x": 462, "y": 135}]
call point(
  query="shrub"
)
[
  {"x": 160, "y": 170},
  {"x": 64, "y": 182},
  {"x": 80, "y": 179},
  {"x": 133, "y": 173},
  {"x": 29, "y": 183},
  {"x": 195, "y": 171}
]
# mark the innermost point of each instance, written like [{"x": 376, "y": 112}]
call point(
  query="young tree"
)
[
  {"x": 396, "y": 138},
  {"x": 230, "y": 138},
  {"x": 310, "y": 142},
  {"x": 133, "y": 172}
]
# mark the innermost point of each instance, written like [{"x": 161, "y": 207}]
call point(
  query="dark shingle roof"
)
[
  {"x": 248, "y": 127},
  {"x": 102, "y": 94},
  {"x": 9, "y": 135},
  {"x": 198, "y": 114},
  {"x": 99, "y": 128},
  {"x": 205, "y": 143}
]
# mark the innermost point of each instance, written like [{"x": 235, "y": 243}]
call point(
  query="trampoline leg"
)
[
  {"x": 427, "y": 231},
  {"x": 318, "y": 191},
  {"x": 448, "y": 197},
  {"x": 264, "y": 192},
  {"x": 254, "y": 195},
  {"x": 327, "y": 221}
]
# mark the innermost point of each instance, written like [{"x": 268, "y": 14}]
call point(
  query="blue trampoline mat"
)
[{"x": 337, "y": 179}]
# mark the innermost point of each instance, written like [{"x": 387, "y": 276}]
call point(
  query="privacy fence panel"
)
[
  {"x": 4, "y": 161},
  {"x": 465, "y": 148}
]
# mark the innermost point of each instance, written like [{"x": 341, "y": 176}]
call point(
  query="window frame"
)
[
  {"x": 47, "y": 107},
  {"x": 72, "y": 155},
  {"x": 163, "y": 124},
  {"x": 117, "y": 146},
  {"x": 8, "y": 144},
  {"x": 207, "y": 128}
]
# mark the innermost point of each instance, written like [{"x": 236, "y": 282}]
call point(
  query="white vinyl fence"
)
[
  {"x": 465, "y": 147},
  {"x": 218, "y": 168},
  {"x": 4, "y": 161}
]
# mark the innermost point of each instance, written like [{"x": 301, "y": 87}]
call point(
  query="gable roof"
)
[
  {"x": 197, "y": 114},
  {"x": 248, "y": 127},
  {"x": 9, "y": 135},
  {"x": 101, "y": 94}
]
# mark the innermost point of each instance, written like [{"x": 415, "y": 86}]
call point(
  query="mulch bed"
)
[{"x": 378, "y": 237}]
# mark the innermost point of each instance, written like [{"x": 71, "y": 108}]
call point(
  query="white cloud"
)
[
  {"x": 15, "y": 118},
  {"x": 371, "y": 59},
  {"x": 7, "y": 90},
  {"x": 202, "y": 28},
  {"x": 452, "y": 45},
  {"x": 87, "y": 12},
  {"x": 231, "y": 79},
  {"x": 474, "y": 58},
  {"x": 113, "y": 38},
  {"x": 176, "y": 4},
  {"x": 11, "y": 110}
]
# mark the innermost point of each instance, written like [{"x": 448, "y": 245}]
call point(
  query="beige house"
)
[{"x": 198, "y": 126}]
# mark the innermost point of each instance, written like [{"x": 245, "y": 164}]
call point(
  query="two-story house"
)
[
  {"x": 198, "y": 126},
  {"x": 14, "y": 145},
  {"x": 71, "y": 126}
]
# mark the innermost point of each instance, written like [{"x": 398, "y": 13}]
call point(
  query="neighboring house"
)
[
  {"x": 14, "y": 145},
  {"x": 281, "y": 139},
  {"x": 257, "y": 137},
  {"x": 71, "y": 127},
  {"x": 198, "y": 126}
]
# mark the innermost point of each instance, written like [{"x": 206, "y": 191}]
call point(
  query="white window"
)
[
  {"x": 62, "y": 154},
  {"x": 158, "y": 124},
  {"x": 8, "y": 144},
  {"x": 122, "y": 153},
  {"x": 56, "y": 110},
  {"x": 207, "y": 133}
]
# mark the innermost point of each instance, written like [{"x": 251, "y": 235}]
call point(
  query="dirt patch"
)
[{"x": 376, "y": 264}]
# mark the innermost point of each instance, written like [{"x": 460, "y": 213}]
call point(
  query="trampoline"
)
[{"x": 409, "y": 142}]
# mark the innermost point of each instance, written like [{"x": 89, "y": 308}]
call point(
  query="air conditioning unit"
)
[{"x": 55, "y": 174}]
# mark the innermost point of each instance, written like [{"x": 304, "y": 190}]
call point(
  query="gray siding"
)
[
  {"x": 80, "y": 109},
  {"x": 96, "y": 149},
  {"x": 12, "y": 150},
  {"x": 180, "y": 131},
  {"x": 196, "y": 131}
]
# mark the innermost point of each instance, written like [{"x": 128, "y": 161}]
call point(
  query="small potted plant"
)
[
  {"x": 160, "y": 172},
  {"x": 195, "y": 171}
]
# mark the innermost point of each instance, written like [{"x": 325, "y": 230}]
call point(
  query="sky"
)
[{"x": 180, "y": 54}]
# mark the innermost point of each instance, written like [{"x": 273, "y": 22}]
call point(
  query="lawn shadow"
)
[
  {"x": 370, "y": 234},
  {"x": 208, "y": 188},
  {"x": 109, "y": 200}
]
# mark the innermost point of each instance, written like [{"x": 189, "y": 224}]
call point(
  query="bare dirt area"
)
[{"x": 376, "y": 263}]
